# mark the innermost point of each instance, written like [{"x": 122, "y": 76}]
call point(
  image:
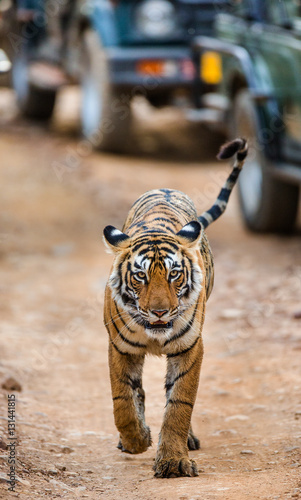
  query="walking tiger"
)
[{"x": 155, "y": 302}]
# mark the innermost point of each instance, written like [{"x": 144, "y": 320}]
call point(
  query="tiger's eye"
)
[
  {"x": 174, "y": 273},
  {"x": 141, "y": 275}
]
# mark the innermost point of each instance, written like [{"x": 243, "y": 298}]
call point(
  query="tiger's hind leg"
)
[
  {"x": 128, "y": 400},
  {"x": 193, "y": 442}
]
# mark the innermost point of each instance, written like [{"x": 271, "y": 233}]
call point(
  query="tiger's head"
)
[{"x": 156, "y": 276}]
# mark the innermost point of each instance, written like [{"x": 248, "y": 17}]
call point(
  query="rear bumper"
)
[{"x": 124, "y": 72}]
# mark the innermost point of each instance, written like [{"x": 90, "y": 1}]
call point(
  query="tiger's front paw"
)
[
  {"x": 135, "y": 443},
  {"x": 175, "y": 467}
]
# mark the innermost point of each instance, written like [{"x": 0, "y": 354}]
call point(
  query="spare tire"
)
[
  {"x": 33, "y": 102},
  {"x": 105, "y": 116}
]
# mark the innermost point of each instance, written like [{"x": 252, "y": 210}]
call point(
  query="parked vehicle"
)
[
  {"x": 259, "y": 97},
  {"x": 116, "y": 50}
]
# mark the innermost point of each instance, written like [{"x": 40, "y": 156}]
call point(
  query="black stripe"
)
[
  {"x": 242, "y": 155},
  {"x": 204, "y": 223},
  {"x": 151, "y": 243},
  {"x": 137, "y": 319},
  {"x": 173, "y": 355},
  {"x": 144, "y": 199},
  {"x": 154, "y": 231},
  {"x": 140, "y": 244},
  {"x": 167, "y": 241},
  {"x": 121, "y": 397},
  {"x": 160, "y": 210},
  {"x": 128, "y": 300},
  {"x": 186, "y": 291},
  {"x": 133, "y": 344},
  {"x": 224, "y": 194},
  {"x": 180, "y": 402},
  {"x": 185, "y": 329},
  {"x": 147, "y": 240},
  {"x": 121, "y": 318},
  {"x": 134, "y": 384},
  {"x": 137, "y": 266},
  {"x": 188, "y": 213},
  {"x": 120, "y": 269},
  {"x": 115, "y": 347},
  {"x": 164, "y": 219},
  {"x": 233, "y": 176},
  {"x": 164, "y": 208},
  {"x": 168, "y": 250},
  {"x": 140, "y": 223},
  {"x": 161, "y": 219},
  {"x": 169, "y": 385},
  {"x": 215, "y": 212}
]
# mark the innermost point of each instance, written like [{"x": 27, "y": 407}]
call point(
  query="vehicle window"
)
[
  {"x": 249, "y": 9},
  {"x": 280, "y": 11},
  {"x": 240, "y": 7},
  {"x": 293, "y": 8},
  {"x": 230, "y": 6}
]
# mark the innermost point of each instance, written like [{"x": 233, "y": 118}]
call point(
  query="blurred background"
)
[{"x": 99, "y": 102}]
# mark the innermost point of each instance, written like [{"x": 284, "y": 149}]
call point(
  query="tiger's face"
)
[{"x": 156, "y": 277}]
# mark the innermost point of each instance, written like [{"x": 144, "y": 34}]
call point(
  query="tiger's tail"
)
[{"x": 240, "y": 148}]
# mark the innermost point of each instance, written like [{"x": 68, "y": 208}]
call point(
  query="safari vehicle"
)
[
  {"x": 116, "y": 50},
  {"x": 259, "y": 97}
]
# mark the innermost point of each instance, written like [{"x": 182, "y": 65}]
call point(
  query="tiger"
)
[{"x": 155, "y": 300}]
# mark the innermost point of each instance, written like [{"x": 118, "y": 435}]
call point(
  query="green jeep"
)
[{"x": 259, "y": 97}]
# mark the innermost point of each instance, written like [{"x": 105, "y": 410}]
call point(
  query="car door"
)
[{"x": 278, "y": 52}]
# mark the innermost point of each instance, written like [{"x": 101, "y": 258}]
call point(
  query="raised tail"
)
[{"x": 240, "y": 148}]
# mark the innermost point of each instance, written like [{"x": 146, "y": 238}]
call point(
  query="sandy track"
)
[{"x": 53, "y": 272}]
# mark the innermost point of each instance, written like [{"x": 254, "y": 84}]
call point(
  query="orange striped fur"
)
[{"x": 155, "y": 303}]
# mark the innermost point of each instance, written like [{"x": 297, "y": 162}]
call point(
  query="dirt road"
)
[{"x": 56, "y": 196}]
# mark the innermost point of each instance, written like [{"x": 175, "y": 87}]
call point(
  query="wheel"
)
[
  {"x": 105, "y": 115},
  {"x": 267, "y": 204},
  {"x": 33, "y": 102}
]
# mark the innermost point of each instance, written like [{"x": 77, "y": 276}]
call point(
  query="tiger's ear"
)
[
  {"x": 115, "y": 240},
  {"x": 191, "y": 234}
]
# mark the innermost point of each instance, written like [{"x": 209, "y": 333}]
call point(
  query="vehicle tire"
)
[
  {"x": 105, "y": 115},
  {"x": 267, "y": 204},
  {"x": 34, "y": 102}
]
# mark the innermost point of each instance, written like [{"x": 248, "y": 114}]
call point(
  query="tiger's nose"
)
[{"x": 159, "y": 312}]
